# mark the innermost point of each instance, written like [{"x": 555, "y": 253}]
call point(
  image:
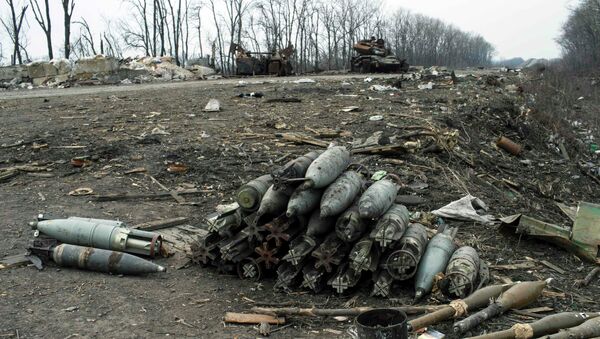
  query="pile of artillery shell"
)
[{"x": 319, "y": 223}]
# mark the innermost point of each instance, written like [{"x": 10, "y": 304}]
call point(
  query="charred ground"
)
[{"x": 125, "y": 129}]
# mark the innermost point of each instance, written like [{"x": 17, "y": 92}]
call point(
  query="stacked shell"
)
[{"x": 320, "y": 221}]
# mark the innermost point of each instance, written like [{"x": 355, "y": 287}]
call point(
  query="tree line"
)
[
  {"x": 322, "y": 31},
  {"x": 580, "y": 36}
]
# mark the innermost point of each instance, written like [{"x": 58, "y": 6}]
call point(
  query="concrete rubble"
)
[{"x": 98, "y": 70}]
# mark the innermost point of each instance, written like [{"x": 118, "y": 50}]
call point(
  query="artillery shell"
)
[
  {"x": 274, "y": 202},
  {"x": 250, "y": 195},
  {"x": 341, "y": 193},
  {"x": 589, "y": 329},
  {"x": 364, "y": 255},
  {"x": 434, "y": 261},
  {"x": 318, "y": 226},
  {"x": 377, "y": 199},
  {"x": 350, "y": 226},
  {"x": 95, "y": 259},
  {"x": 344, "y": 279},
  {"x": 403, "y": 262},
  {"x": 327, "y": 167},
  {"x": 461, "y": 273},
  {"x": 303, "y": 202},
  {"x": 97, "y": 234},
  {"x": 293, "y": 169},
  {"x": 391, "y": 226}
]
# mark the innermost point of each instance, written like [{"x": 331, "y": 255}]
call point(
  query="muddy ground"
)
[{"x": 117, "y": 129}]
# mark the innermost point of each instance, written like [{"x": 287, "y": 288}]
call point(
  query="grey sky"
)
[{"x": 525, "y": 28}]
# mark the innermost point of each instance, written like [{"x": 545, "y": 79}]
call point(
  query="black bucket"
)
[{"x": 383, "y": 323}]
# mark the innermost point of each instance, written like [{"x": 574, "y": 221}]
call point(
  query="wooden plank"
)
[
  {"x": 252, "y": 318},
  {"x": 302, "y": 139},
  {"x": 160, "y": 224},
  {"x": 120, "y": 196},
  {"x": 14, "y": 261},
  {"x": 552, "y": 266}
]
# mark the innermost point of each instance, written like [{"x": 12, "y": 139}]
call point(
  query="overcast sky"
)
[{"x": 525, "y": 28}]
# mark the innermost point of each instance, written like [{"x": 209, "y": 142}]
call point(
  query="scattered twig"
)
[
  {"x": 588, "y": 278},
  {"x": 160, "y": 224},
  {"x": 302, "y": 139},
  {"x": 121, "y": 196},
  {"x": 174, "y": 194},
  {"x": 331, "y": 312}
]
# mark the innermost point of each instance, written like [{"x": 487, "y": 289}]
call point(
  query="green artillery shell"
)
[
  {"x": 403, "y": 262},
  {"x": 340, "y": 195},
  {"x": 317, "y": 226},
  {"x": 300, "y": 250},
  {"x": 461, "y": 273},
  {"x": 434, "y": 261},
  {"x": 391, "y": 226},
  {"x": 344, "y": 279},
  {"x": 294, "y": 168},
  {"x": 287, "y": 276},
  {"x": 364, "y": 256},
  {"x": 95, "y": 259},
  {"x": 377, "y": 199},
  {"x": 97, "y": 234},
  {"x": 350, "y": 226},
  {"x": 383, "y": 285},
  {"x": 547, "y": 325},
  {"x": 250, "y": 195},
  {"x": 518, "y": 296},
  {"x": 274, "y": 202},
  {"x": 313, "y": 278},
  {"x": 327, "y": 167},
  {"x": 589, "y": 329},
  {"x": 475, "y": 301},
  {"x": 331, "y": 252},
  {"x": 303, "y": 202}
]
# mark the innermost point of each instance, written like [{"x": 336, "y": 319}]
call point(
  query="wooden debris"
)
[
  {"x": 302, "y": 139},
  {"x": 387, "y": 149},
  {"x": 324, "y": 312},
  {"x": 588, "y": 278},
  {"x": 552, "y": 266},
  {"x": 282, "y": 100},
  {"x": 519, "y": 266},
  {"x": 249, "y": 318},
  {"x": 14, "y": 261},
  {"x": 135, "y": 170},
  {"x": 122, "y": 196},
  {"x": 172, "y": 193},
  {"x": 4, "y": 176},
  {"x": 160, "y": 224}
]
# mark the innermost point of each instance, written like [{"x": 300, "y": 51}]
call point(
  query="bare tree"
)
[
  {"x": 45, "y": 23},
  {"x": 86, "y": 39},
  {"x": 13, "y": 27},
  {"x": 68, "y": 7},
  {"x": 580, "y": 38}
]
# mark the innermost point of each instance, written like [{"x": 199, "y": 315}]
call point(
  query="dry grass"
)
[{"x": 562, "y": 99}]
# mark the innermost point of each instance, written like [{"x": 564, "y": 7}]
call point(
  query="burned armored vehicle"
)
[
  {"x": 373, "y": 57},
  {"x": 262, "y": 63}
]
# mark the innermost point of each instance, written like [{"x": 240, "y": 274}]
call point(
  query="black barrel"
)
[{"x": 382, "y": 324}]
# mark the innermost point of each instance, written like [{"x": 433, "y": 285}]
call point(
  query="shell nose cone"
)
[{"x": 33, "y": 225}]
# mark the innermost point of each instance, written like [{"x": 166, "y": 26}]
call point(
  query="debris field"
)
[{"x": 153, "y": 153}]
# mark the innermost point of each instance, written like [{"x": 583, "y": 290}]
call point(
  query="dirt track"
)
[{"x": 114, "y": 126}]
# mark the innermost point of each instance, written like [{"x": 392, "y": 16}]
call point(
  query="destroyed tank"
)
[
  {"x": 261, "y": 63},
  {"x": 373, "y": 57}
]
